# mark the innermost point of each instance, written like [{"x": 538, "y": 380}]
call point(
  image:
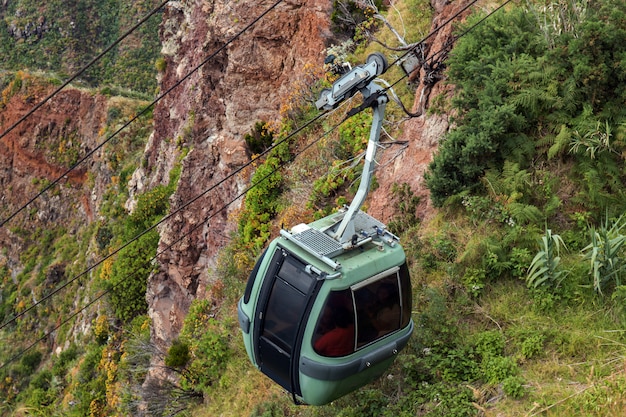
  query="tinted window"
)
[
  {"x": 378, "y": 307},
  {"x": 335, "y": 331},
  {"x": 293, "y": 272},
  {"x": 368, "y": 311},
  {"x": 282, "y": 316},
  {"x": 282, "y": 308}
]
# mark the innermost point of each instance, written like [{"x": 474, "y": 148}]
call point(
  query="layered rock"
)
[
  {"x": 217, "y": 88},
  {"x": 39, "y": 151}
]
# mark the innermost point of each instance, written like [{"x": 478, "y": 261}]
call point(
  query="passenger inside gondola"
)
[
  {"x": 378, "y": 314},
  {"x": 336, "y": 327},
  {"x": 339, "y": 341}
]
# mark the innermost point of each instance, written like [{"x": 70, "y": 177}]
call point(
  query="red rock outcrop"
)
[{"x": 40, "y": 150}]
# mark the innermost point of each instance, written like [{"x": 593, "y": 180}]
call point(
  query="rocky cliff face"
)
[
  {"x": 39, "y": 151},
  {"x": 210, "y": 112}
]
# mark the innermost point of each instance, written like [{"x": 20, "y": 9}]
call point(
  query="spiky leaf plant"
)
[
  {"x": 605, "y": 254},
  {"x": 544, "y": 269}
]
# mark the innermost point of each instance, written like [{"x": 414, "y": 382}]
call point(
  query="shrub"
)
[
  {"x": 260, "y": 138},
  {"x": 160, "y": 64},
  {"x": 30, "y": 361},
  {"x": 474, "y": 281},
  {"x": 133, "y": 265},
  {"x": 104, "y": 234},
  {"x": 496, "y": 369},
  {"x": 520, "y": 259},
  {"x": 489, "y": 343},
  {"x": 129, "y": 277},
  {"x": 178, "y": 354},
  {"x": 101, "y": 329},
  {"x": 406, "y": 206},
  {"x": 64, "y": 359},
  {"x": 532, "y": 345},
  {"x": 513, "y": 386},
  {"x": 207, "y": 343},
  {"x": 42, "y": 380}
]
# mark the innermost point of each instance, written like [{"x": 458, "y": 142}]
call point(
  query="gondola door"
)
[{"x": 282, "y": 313}]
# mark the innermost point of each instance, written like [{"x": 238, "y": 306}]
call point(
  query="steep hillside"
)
[
  {"x": 76, "y": 249},
  {"x": 505, "y": 183},
  {"x": 208, "y": 115}
]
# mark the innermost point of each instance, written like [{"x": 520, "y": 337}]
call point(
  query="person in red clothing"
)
[{"x": 339, "y": 341}]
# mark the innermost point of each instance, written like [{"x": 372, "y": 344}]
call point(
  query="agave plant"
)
[
  {"x": 544, "y": 269},
  {"x": 605, "y": 254}
]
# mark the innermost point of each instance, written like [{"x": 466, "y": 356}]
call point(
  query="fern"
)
[
  {"x": 509, "y": 188},
  {"x": 560, "y": 142},
  {"x": 534, "y": 100},
  {"x": 525, "y": 213}
]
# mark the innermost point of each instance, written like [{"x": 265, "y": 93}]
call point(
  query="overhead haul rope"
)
[
  {"x": 138, "y": 236},
  {"x": 85, "y": 68},
  {"x": 348, "y": 115},
  {"x": 185, "y": 235},
  {"x": 139, "y": 114},
  {"x": 163, "y": 220}
]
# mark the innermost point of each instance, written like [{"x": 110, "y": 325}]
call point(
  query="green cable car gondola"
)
[{"x": 327, "y": 307}]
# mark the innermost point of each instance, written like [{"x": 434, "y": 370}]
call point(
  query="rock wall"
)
[
  {"x": 38, "y": 151},
  {"x": 210, "y": 112}
]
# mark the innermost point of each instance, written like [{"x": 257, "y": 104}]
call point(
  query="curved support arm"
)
[{"x": 345, "y": 231}]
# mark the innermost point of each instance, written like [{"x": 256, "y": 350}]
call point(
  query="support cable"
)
[
  {"x": 139, "y": 114},
  {"x": 197, "y": 226},
  {"x": 225, "y": 206},
  {"x": 164, "y": 219}
]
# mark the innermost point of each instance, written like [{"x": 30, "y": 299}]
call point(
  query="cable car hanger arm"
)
[
  {"x": 350, "y": 228},
  {"x": 345, "y": 232},
  {"x": 362, "y": 79}
]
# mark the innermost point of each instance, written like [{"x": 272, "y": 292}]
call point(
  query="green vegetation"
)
[
  {"x": 520, "y": 97},
  {"x": 517, "y": 276},
  {"x": 63, "y": 37},
  {"x": 604, "y": 254},
  {"x": 132, "y": 266},
  {"x": 347, "y": 153},
  {"x": 544, "y": 269}
]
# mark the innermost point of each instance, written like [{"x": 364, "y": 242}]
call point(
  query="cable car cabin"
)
[
  {"x": 328, "y": 305},
  {"x": 322, "y": 321}
]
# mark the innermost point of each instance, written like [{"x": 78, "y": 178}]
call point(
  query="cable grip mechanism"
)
[{"x": 351, "y": 82}]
